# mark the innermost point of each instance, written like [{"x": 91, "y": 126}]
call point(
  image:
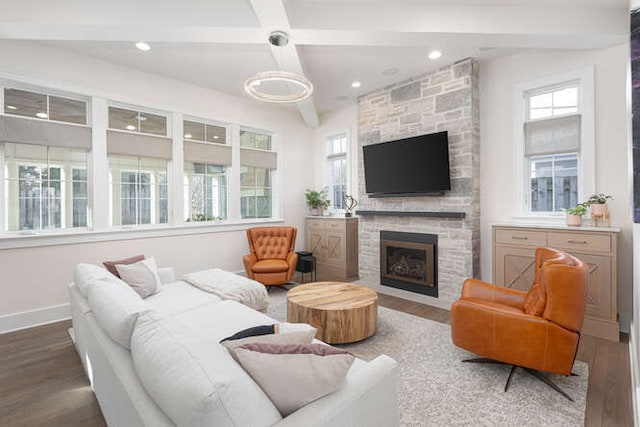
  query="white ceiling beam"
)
[{"x": 272, "y": 15}]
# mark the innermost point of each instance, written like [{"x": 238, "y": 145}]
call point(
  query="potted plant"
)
[
  {"x": 599, "y": 207},
  {"x": 317, "y": 200},
  {"x": 574, "y": 214}
]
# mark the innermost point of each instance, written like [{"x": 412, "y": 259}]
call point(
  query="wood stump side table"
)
[{"x": 341, "y": 312}]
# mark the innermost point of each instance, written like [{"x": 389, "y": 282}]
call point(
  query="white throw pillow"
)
[
  {"x": 142, "y": 276},
  {"x": 295, "y": 375},
  {"x": 194, "y": 380},
  {"x": 116, "y": 307}
]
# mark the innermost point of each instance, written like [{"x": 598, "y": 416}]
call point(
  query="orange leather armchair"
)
[
  {"x": 272, "y": 260},
  {"x": 537, "y": 330}
]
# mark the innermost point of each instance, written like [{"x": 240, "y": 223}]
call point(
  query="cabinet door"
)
[
  {"x": 599, "y": 284},
  {"x": 315, "y": 243},
  {"x": 335, "y": 248},
  {"x": 514, "y": 267}
]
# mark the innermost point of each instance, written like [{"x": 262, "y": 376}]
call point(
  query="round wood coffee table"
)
[{"x": 341, "y": 312}]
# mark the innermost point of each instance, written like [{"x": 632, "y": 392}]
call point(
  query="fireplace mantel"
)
[{"x": 427, "y": 214}]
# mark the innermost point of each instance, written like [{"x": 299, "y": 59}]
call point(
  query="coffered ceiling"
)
[{"x": 219, "y": 43}]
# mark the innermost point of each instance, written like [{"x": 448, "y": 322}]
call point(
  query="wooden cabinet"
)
[
  {"x": 514, "y": 266},
  {"x": 334, "y": 243}
]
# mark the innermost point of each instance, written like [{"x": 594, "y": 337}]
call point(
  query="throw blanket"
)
[{"x": 230, "y": 286}]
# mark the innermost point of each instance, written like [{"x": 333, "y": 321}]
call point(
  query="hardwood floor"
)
[{"x": 42, "y": 382}]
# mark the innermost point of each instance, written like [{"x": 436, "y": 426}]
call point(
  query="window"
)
[
  {"x": 250, "y": 139},
  {"x": 205, "y": 191},
  {"x": 46, "y": 187},
  {"x": 337, "y": 169},
  {"x": 44, "y": 107},
  {"x": 556, "y": 146},
  {"x": 137, "y": 121},
  {"x": 255, "y": 192},
  {"x": 204, "y": 132},
  {"x": 138, "y": 190}
]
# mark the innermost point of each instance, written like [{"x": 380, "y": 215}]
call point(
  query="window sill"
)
[{"x": 68, "y": 237}]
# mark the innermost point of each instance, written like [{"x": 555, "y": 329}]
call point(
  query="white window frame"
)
[
  {"x": 206, "y": 122},
  {"x": 328, "y": 164},
  {"x": 586, "y": 156},
  {"x": 139, "y": 109}
]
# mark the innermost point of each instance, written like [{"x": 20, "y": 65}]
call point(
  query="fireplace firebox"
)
[{"x": 409, "y": 261}]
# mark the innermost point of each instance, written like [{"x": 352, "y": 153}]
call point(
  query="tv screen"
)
[{"x": 407, "y": 166}]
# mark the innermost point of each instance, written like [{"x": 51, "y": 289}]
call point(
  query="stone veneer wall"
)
[{"x": 446, "y": 99}]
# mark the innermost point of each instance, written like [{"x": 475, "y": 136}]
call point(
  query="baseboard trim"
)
[{"x": 31, "y": 318}]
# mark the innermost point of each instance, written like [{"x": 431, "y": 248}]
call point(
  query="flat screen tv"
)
[{"x": 410, "y": 166}]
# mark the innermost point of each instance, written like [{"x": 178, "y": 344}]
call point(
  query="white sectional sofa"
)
[{"x": 158, "y": 362}]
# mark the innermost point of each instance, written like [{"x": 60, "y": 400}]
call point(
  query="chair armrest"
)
[
  {"x": 167, "y": 275},
  {"x": 249, "y": 260},
  {"x": 477, "y": 289},
  {"x": 292, "y": 260}
]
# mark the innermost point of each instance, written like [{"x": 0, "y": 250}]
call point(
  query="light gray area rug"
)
[{"x": 437, "y": 389}]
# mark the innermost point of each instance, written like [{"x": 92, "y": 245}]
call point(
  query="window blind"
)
[
  {"x": 258, "y": 158},
  {"x": 551, "y": 136},
  {"x": 139, "y": 145},
  {"x": 199, "y": 152},
  {"x": 36, "y": 132}
]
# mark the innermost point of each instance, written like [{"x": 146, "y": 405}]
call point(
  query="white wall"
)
[
  {"x": 34, "y": 279},
  {"x": 343, "y": 120},
  {"x": 497, "y": 80}
]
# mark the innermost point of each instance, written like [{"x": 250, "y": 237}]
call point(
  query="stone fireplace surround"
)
[{"x": 446, "y": 99}]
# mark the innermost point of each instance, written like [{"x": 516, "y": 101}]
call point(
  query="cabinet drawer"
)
[
  {"x": 335, "y": 225},
  {"x": 580, "y": 242},
  {"x": 315, "y": 224},
  {"x": 521, "y": 237}
]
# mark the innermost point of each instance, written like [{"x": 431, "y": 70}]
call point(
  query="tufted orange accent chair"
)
[
  {"x": 272, "y": 260},
  {"x": 538, "y": 330}
]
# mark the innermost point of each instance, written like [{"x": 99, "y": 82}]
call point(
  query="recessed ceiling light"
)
[
  {"x": 187, "y": 135},
  {"x": 131, "y": 127},
  {"x": 11, "y": 107},
  {"x": 42, "y": 115},
  {"x": 216, "y": 137},
  {"x": 356, "y": 84},
  {"x": 143, "y": 46},
  {"x": 435, "y": 54},
  {"x": 390, "y": 71}
]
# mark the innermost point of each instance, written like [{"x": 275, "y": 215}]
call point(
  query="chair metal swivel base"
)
[{"x": 533, "y": 372}]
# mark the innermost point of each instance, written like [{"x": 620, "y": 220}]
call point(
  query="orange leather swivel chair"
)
[
  {"x": 272, "y": 260},
  {"x": 537, "y": 330}
]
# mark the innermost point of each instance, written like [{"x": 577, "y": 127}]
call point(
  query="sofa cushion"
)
[
  {"x": 295, "y": 375},
  {"x": 219, "y": 320},
  {"x": 111, "y": 265},
  {"x": 116, "y": 308},
  {"x": 193, "y": 380},
  {"x": 178, "y": 297},
  {"x": 142, "y": 276},
  {"x": 85, "y": 274}
]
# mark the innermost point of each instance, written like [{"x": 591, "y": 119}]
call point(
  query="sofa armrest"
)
[
  {"x": 368, "y": 398},
  {"x": 167, "y": 275},
  {"x": 477, "y": 289}
]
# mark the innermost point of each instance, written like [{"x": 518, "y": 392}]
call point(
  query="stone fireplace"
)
[
  {"x": 409, "y": 261},
  {"x": 443, "y": 100}
]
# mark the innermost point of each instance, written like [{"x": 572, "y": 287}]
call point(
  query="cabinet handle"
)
[
  {"x": 578, "y": 242},
  {"x": 519, "y": 237}
]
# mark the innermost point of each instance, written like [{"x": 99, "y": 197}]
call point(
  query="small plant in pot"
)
[
  {"x": 574, "y": 214},
  {"x": 599, "y": 208},
  {"x": 317, "y": 200}
]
